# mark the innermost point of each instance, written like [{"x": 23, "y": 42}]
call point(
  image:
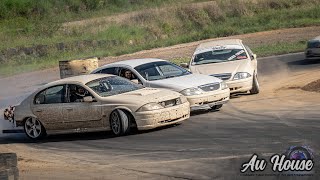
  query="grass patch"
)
[
  {"x": 279, "y": 48},
  {"x": 29, "y": 25}
]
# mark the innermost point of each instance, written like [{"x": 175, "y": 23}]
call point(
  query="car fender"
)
[{"x": 107, "y": 112}]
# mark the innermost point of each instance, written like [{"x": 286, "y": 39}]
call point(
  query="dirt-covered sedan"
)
[
  {"x": 200, "y": 90},
  {"x": 98, "y": 103},
  {"x": 229, "y": 60}
]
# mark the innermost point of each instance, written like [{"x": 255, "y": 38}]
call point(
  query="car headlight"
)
[
  {"x": 224, "y": 85},
  {"x": 191, "y": 91},
  {"x": 150, "y": 107},
  {"x": 241, "y": 75},
  {"x": 183, "y": 99}
]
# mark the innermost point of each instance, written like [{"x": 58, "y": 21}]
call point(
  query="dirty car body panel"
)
[
  {"x": 160, "y": 73},
  {"x": 230, "y": 60},
  {"x": 53, "y": 107}
]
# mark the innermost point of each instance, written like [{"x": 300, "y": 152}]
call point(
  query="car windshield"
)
[
  {"x": 219, "y": 54},
  {"x": 113, "y": 85},
  {"x": 160, "y": 70},
  {"x": 314, "y": 44}
]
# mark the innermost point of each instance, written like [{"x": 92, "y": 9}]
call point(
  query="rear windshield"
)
[{"x": 314, "y": 44}]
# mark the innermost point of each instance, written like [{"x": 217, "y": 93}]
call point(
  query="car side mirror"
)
[
  {"x": 184, "y": 65},
  {"x": 254, "y": 56},
  {"x": 88, "y": 99}
]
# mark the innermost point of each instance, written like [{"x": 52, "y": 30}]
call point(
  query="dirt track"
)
[
  {"x": 272, "y": 120},
  {"x": 209, "y": 145}
]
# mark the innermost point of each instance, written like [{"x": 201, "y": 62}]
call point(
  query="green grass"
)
[
  {"x": 162, "y": 27},
  {"x": 280, "y": 48},
  {"x": 34, "y": 63}
]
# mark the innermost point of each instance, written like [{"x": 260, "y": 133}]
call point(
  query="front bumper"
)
[
  {"x": 313, "y": 53},
  {"x": 162, "y": 117},
  {"x": 209, "y": 99},
  {"x": 239, "y": 86},
  {"x": 313, "y": 57}
]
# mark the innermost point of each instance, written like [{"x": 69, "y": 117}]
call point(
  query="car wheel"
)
[
  {"x": 216, "y": 107},
  {"x": 255, "y": 85},
  {"x": 119, "y": 122},
  {"x": 34, "y": 129}
]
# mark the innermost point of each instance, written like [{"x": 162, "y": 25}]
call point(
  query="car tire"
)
[
  {"x": 120, "y": 122},
  {"x": 216, "y": 107},
  {"x": 34, "y": 129},
  {"x": 255, "y": 85}
]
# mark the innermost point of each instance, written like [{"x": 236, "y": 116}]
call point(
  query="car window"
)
[
  {"x": 169, "y": 70},
  {"x": 76, "y": 93},
  {"x": 40, "y": 98},
  {"x": 51, "y": 95},
  {"x": 123, "y": 72},
  {"x": 111, "y": 70},
  {"x": 113, "y": 85},
  {"x": 314, "y": 44},
  {"x": 160, "y": 70}
]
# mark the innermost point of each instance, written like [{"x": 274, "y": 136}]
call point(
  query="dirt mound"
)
[{"x": 313, "y": 86}]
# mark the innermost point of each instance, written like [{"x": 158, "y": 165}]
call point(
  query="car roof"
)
[
  {"x": 82, "y": 79},
  {"x": 134, "y": 62},
  {"x": 219, "y": 43}
]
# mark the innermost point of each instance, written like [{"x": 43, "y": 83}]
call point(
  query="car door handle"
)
[
  {"x": 69, "y": 109},
  {"x": 39, "y": 110}
]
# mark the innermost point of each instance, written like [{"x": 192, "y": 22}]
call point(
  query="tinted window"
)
[
  {"x": 114, "y": 85},
  {"x": 51, "y": 95},
  {"x": 314, "y": 44},
  {"x": 108, "y": 71},
  {"x": 160, "y": 70},
  {"x": 123, "y": 71}
]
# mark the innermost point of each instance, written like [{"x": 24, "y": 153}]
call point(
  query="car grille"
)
[
  {"x": 225, "y": 76},
  {"x": 210, "y": 87},
  {"x": 171, "y": 102}
]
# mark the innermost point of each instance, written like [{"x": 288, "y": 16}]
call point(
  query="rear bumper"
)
[
  {"x": 209, "y": 99},
  {"x": 162, "y": 117},
  {"x": 238, "y": 86}
]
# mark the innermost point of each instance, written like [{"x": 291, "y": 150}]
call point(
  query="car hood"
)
[
  {"x": 183, "y": 82},
  {"x": 224, "y": 67},
  {"x": 142, "y": 96}
]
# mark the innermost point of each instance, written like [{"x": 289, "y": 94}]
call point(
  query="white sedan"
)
[
  {"x": 97, "y": 103},
  {"x": 229, "y": 60},
  {"x": 200, "y": 90}
]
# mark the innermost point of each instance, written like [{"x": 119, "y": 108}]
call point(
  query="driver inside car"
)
[
  {"x": 77, "y": 95},
  {"x": 127, "y": 74}
]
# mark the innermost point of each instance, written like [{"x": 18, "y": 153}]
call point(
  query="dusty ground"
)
[
  {"x": 313, "y": 86},
  {"x": 281, "y": 98}
]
